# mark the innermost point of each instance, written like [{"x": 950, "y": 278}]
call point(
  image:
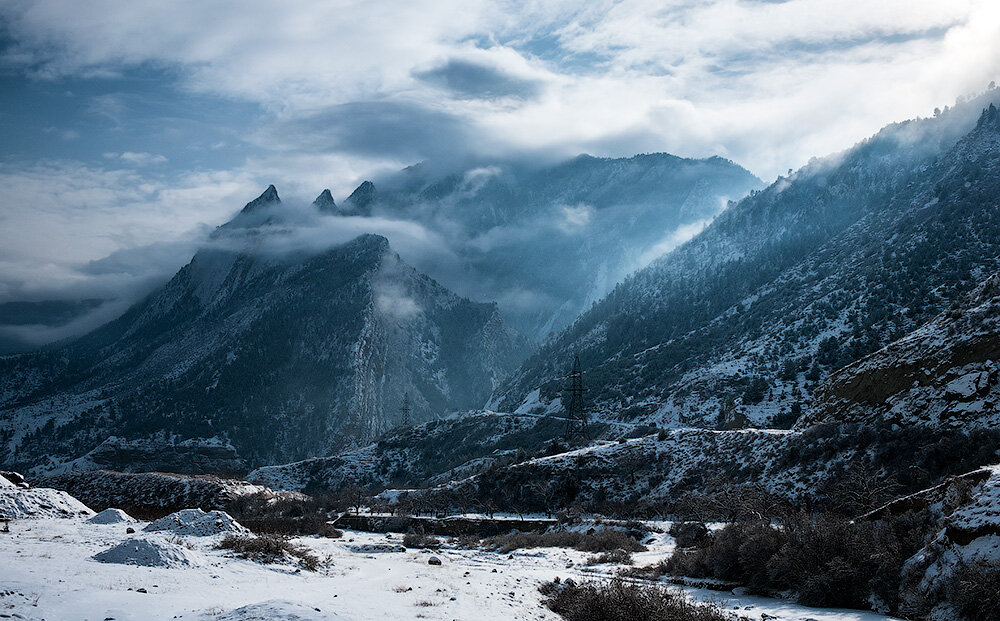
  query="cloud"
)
[
  {"x": 572, "y": 219},
  {"x": 471, "y": 80},
  {"x": 743, "y": 79},
  {"x": 376, "y": 128},
  {"x": 72, "y": 230},
  {"x": 310, "y": 95},
  {"x": 138, "y": 159}
]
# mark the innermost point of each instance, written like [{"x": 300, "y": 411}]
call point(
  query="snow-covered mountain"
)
[
  {"x": 283, "y": 353},
  {"x": 739, "y": 325},
  {"x": 546, "y": 241},
  {"x": 944, "y": 374}
]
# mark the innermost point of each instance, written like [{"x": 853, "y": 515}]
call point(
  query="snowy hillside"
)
[
  {"x": 739, "y": 325},
  {"x": 945, "y": 374}
]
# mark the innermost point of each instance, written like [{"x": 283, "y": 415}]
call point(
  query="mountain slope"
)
[
  {"x": 548, "y": 240},
  {"x": 944, "y": 374},
  {"x": 284, "y": 354},
  {"x": 738, "y": 325}
]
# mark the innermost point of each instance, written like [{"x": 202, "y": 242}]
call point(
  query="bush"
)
[
  {"x": 420, "y": 540},
  {"x": 605, "y": 540},
  {"x": 974, "y": 591},
  {"x": 265, "y": 515},
  {"x": 621, "y": 601},
  {"x": 688, "y": 534},
  {"x": 825, "y": 561},
  {"x": 269, "y": 549},
  {"x": 615, "y": 557}
]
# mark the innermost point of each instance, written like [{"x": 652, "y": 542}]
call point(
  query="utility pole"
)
[{"x": 576, "y": 417}]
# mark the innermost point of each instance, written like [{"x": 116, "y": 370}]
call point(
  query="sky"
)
[{"x": 129, "y": 129}]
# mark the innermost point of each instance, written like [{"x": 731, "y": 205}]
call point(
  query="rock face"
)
[
  {"x": 945, "y": 374},
  {"x": 157, "y": 453},
  {"x": 969, "y": 535},
  {"x": 151, "y": 491},
  {"x": 282, "y": 355},
  {"x": 850, "y": 253}
]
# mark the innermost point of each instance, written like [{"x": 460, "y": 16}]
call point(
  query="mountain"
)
[
  {"x": 944, "y": 374},
  {"x": 546, "y": 241},
  {"x": 738, "y": 325},
  {"x": 285, "y": 354}
]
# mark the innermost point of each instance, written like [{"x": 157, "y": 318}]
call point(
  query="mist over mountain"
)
[
  {"x": 283, "y": 353},
  {"x": 737, "y": 326},
  {"x": 546, "y": 241}
]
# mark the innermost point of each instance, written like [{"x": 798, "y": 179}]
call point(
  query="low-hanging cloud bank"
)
[{"x": 306, "y": 94}]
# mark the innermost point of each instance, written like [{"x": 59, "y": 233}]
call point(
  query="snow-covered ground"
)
[{"x": 47, "y": 572}]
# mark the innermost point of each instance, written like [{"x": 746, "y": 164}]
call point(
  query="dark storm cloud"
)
[
  {"x": 470, "y": 80},
  {"x": 376, "y": 128}
]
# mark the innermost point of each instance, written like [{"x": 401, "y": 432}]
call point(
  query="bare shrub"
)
[
  {"x": 614, "y": 557},
  {"x": 420, "y": 540},
  {"x": 618, "y": 600},
  {"x": 265, "y": 515},
  {"x": 974, "y": 591},
  {"x": 688, "y": 534},
  {"x": 604, "y": 540},
  {"x": 269, "y": 549}
]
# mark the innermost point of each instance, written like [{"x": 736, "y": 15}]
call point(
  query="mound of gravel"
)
[
  {"x": 150, "y": 551},
  {"x": 39, "y": 502},
  {"x": 198, "y": 523},
  {"x": 112, "y": 516}
]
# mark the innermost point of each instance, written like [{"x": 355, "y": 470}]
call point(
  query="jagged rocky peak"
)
[
  {"x": 360, "y": 200},
  {"x": 325, "y": 203},
  {"x": 269, "y": 196},
  {"x": 990, "y": 117}
]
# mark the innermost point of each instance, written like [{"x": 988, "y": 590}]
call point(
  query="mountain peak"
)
[
  {"x": 324, "y": 202},
  {"x": 360, "y": 200},
  {"x": 990, "y": 116},
  {"x": 269, "y": 196}
]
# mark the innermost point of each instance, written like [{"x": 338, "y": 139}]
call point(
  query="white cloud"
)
[
  {"x": 58, "y": 216},
  {"x": 137, "y": 159},
  {"x": 767, "y": 83},
  {"x": 574, "y": 218}
]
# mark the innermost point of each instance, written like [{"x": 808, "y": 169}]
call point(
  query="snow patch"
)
[
  {"x": 197, "y": 523},
  {"x": 39, "y": 502},
  {"x": 112, "y": 516},
  {"x": 150, "y": 551},
  {"x": 273, "y": 609}
]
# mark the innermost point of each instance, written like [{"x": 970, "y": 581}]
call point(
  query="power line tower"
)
[
  {"x": 406, "y": 411},
  {"x": 576, "y": 416}
]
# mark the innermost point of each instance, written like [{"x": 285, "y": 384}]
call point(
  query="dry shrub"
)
[
  {"x": 269, "y": 549},
  {"x": 605, "y": 540},
  {"x": 974, "y": 591},
  {"x": 265, "y": 515},
  {"x": 618, "y": 600},
  {"x": 689, "y": 534},
  {"x": 614, "y": 557},
  {"x": 420, "y": 540}
]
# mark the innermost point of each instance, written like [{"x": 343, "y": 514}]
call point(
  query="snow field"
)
[{"x": 48, "y": 572}]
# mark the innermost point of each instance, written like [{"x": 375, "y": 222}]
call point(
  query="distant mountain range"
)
[
  {"x": 738, "y": 326},
  {"x": 284, "y": 354}
]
